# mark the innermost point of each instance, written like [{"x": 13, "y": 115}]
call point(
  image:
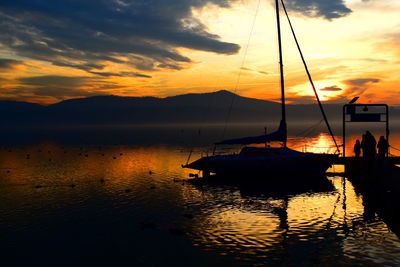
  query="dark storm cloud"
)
[
  {"x": 80, "y": 34},
  {"x": 169, "y": 66},
  {"x": 357, "y": 87},
  {"x": 55, "y": 80},
  {"x": 71, "y": 82},
  {"x": 59, "y": 87},
  {"x": 53, "y": 87},
  {"x": 361, "y": 82},
  {"x": 86, "y": 66},
  {"x": 52, "y": 91},
  {"x": 121, "y": 74},
  {"x": 8, "y": 63},
  {"x": 144, "y": 34},
  {"x": 60, "y": 92},
  {"x": 326, "y": 9},
  {"x": 331, "y": 88}
]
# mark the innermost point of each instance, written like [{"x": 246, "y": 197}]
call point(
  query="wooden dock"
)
[
  {"x": 380, "y": 188},
  {"x": 379, "y": 183},
  {"x": 354, "y": 160}
]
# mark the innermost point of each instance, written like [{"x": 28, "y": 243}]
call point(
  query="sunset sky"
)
[{"x": 56, "y": 50}]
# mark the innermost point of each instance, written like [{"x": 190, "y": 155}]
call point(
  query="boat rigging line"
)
[
  {"x": 241, "y": 69},
  {"x": 307, "y": 132},
  {"x": 310, "y": 79},
  {"x": 394, "y": 148}
]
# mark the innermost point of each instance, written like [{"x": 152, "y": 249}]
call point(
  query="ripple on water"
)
[{"x": 133, "y": 199}]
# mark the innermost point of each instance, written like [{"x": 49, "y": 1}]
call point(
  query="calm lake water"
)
[{"x": 75, "y": 199}]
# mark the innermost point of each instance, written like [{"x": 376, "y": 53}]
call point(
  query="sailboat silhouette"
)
[{"x": 281, "y": 161}]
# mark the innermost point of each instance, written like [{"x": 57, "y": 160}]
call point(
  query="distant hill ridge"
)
[{"x": 187, "y": 108}]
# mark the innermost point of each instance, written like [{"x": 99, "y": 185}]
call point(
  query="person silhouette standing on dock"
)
[
  {"x": 368, "y": 146},
  {"x": 363, "y": 144},
  {"x": 357, "y": 148},
  {"x": 383, "y": 147}
]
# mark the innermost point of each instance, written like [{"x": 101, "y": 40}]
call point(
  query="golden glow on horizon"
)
[{"x": 362, "y": 45}]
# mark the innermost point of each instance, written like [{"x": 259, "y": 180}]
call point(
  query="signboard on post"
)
[{"x": 364, "y": 113}]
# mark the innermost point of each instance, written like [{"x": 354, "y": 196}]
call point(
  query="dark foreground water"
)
[{"x": 126, "y": 205}]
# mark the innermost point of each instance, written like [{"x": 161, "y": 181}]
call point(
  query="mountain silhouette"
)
[{"x": 213, "y": 107}]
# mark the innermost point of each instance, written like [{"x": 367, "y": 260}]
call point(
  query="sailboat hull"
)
[{"x": 286, "y": 163}]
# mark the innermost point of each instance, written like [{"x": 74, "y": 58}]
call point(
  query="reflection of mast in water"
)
[
  {"x": 282, "y": 214},
  {"x": 342, "y": 195},
  {"x": 344, "y": 207}
]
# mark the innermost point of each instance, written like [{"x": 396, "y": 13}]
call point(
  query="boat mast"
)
[{"x": 281, "y": 68}]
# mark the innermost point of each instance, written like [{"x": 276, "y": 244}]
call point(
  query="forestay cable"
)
[{"x": 310, "y": 79}]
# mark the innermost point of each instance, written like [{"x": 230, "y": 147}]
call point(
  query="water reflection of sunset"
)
[
  {"x": 139, "y": 192},
  {"x": 263, "y": 227},
  {"x": 322, "y": 143}
]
